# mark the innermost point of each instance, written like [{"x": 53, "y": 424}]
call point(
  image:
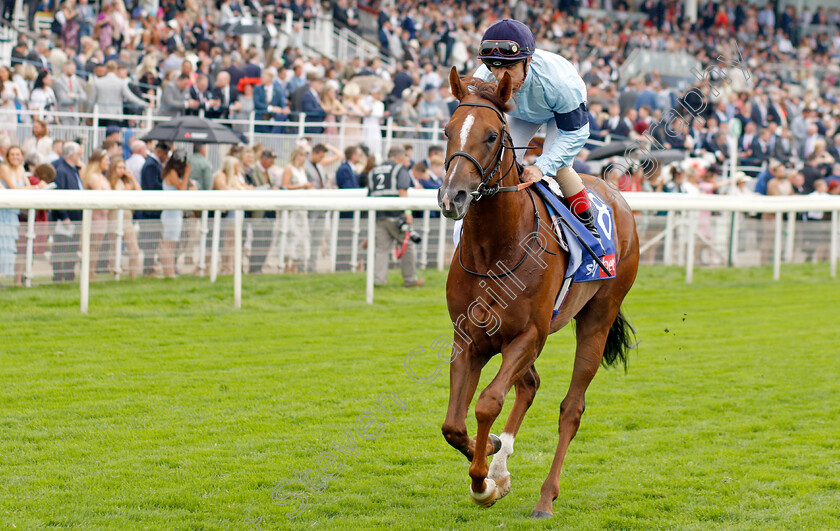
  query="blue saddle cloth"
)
[{"x": 581, "y": 267}]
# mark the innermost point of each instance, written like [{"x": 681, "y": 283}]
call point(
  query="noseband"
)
[{"x": 485, "y": 189}]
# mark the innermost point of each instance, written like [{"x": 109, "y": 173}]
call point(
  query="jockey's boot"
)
[
  {"x": 587, "y": 217},
  {"x": 580, "y": 206}
]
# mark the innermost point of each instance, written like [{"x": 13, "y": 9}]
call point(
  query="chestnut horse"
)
[{"x": 502, "y": 285}]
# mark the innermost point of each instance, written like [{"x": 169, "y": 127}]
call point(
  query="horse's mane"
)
[{"x": 486, "y": 90}]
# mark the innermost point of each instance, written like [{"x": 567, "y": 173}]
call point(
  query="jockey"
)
[{"x": 547, "y": 89}]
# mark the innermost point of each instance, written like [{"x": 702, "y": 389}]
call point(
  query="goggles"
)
[{"x": 503, "y": 48}]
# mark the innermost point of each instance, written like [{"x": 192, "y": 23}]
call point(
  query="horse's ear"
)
[
  {"x": 505, "y": 88},
  {"x": 456, "y": 86}
]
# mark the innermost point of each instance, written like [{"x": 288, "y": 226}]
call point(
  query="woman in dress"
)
[
  {"x": 372, "y": 122},
  {"x": 8, "y": 95},
  {"x": 93, "y": 178},
  {"x": 42, "y": 98},
  {"x": 176, "y": 176},
  {"x": 297, "y": 244},
  {"x": 104, "y": 28},
  {"x": 119, "y": 178},
  {"x": 230, "y": 178},
  {"x": 355, "y": 112},
  {"x": 12, "y": 176},
  {"x": 334, "y": 109},
  {"x": 70, "y": 28}
]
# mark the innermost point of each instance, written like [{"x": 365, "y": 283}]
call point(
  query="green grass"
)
[{"x": 165, "y": 408}]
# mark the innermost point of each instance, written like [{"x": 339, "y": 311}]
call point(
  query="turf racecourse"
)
[{"x": 164, "y": 408}]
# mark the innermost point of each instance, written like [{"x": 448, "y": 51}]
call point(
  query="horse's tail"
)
[{"x": 620, "y": 340}]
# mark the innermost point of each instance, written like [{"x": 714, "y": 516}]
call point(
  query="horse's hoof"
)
[
  {"x": 540, "y": 514},
  {"x": 488, "y": 497},
  {"x": 497, "y": 443},
  {"x": 503, "y": 485}
]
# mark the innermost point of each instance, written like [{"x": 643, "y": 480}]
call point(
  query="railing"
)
[{"x": 681, "y": 214}]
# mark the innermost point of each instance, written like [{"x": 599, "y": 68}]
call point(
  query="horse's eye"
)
[
  {"x": 445, "y": 134},
  {"x": 492, "y": 138}
]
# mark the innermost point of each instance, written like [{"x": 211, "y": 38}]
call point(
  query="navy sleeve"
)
[{"x": 572, "y": 120}]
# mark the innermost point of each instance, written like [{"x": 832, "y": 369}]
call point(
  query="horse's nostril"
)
[{"x": 460, "y": 197}]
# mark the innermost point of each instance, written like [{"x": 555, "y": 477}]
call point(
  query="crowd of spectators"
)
[{"x": 182, "y": 60}]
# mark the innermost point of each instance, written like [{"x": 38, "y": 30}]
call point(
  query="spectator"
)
[
  {"x": 55, "y": 153},
  {"x": 66, "y": 236},
  {"x": 69, "y": 93},
  {"x": 311, "y": 104},
  {"x": 12, "y": 176},
  {"x": 225, "y": 98},
  {"x": 42, "y": 97},
  {"x": 230, "y": 178},
  {"x": 135, "y": 162},
  {"x": 374, "y": 110},
  {"x": 270, "y": 100},
  {"x": 333, "y": 108},
  {"x": 39, "y": 142},
  {"x": 355, "y": 112},
  {"x": 346, "y": 176},
  {"x": 173, "y": 100},
  {"x": 93, "y": 178},
  {"x": 298, "y": 239},
  {"x": 420, "y": 173},
  {"x": 176, "y": 176},
  {"x": 8, "y": 95},
  {"x": 151, "y": 179},
  {"x": 120, "y": 178},
  {"x": 110, "y": 93},
  {"x": 810, "y": 172},
  {"x": 198, "y": 95},
  {"x": 202, "y": 171}
]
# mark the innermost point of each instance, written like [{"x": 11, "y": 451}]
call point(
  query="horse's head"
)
[{"x": 476, "y": 136}]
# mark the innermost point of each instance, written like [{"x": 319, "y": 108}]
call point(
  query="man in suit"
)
[
  {"x": 39, "y": 56},
  {"x": 761, "y": 147},
  {"x": 110, "y": 92},
  {"x": 225, "y": 98},
  {"x": 172, "y": 100},
  {"x": 310, "y": 103},
  {"x": 151, "y": 179},
  {"x": 346, "y": 176},
  {"x": 66, "y": 235},
  {"x": 200, "y": 94},
  {"x": 69, "y": 93},
  {"x": 626, "y": 124},
  {"x": 270, "y": 100},
  {"x": 261, "y": 222},
  {"x": 783, "y": 148}
]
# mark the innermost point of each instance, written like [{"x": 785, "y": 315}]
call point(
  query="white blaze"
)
[{"x": 465, "y": 130}]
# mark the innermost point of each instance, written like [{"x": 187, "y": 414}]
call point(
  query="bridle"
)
[{"x": 485, "y": 189}]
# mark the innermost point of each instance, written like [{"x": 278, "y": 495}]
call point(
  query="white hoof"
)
[
  {"x": 503, "y": 486},
  {"x": 488, "y": 497}
]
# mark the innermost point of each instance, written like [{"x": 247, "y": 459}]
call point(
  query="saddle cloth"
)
[{"x": 581, "y": 266}]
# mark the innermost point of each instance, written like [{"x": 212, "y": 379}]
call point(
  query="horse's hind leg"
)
[
  {"x": 526, "y": 389},
  {"x": 591, "y": 335}
]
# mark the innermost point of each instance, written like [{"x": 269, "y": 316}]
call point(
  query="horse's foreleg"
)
[
  {"x": 526, "y": 389},
  {"x": 517, "y": 358},
  {"x": 464, "y": 372},
  {"x": 591, "y": 337}
]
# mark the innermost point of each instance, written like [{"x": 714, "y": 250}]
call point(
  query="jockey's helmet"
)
[{"x": 506, "y": 42}]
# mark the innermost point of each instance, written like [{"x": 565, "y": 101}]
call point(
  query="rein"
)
[{"x": 487, "y": 190}]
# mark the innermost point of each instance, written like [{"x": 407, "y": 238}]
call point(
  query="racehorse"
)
[{"x": 501, "y": 289}]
